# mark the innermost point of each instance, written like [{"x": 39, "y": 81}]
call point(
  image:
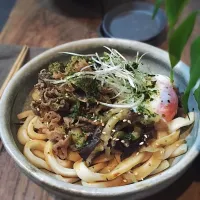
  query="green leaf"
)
[
  {"x": 156, "y": 7},
  {"x": 174, "y": 9},
  {"x": 197, "y": 96},
  {"x": 194, "y": 72},
  {"x": 179, "y": 38}
]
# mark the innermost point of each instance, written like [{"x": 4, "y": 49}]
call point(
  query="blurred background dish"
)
[{"x": 133, "y": 20}]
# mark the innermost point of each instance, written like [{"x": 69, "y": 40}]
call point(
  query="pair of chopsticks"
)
[{"x": 16, "y": 66}]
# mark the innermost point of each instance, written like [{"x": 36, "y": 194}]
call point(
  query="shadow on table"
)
[
  {"x": 79, "y": 8},
  {"x": 181, "y": 185},
  {"x": 86, "y": 8}
]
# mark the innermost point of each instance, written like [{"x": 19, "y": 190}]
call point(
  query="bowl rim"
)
[{"x": 76, "y": 190}]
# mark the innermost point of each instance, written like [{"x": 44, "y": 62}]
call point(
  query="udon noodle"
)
[{"x": 95, "y": 134}]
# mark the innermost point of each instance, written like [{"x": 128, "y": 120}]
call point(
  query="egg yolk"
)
[{"x": 165, "y": 103}]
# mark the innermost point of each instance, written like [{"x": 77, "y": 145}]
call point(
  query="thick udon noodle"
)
[{"x": 104, "y": 171}]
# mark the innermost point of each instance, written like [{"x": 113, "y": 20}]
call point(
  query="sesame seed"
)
[
  {"x": 95, "y": 120},
  {"x": 137, "y": 153},
  {"x": 145, "y": 136},
  {"x": 141, "y": 143},
  {"x": 113, "y": 130},
  {"x": 124, "y": 120},
  {"x": 142, "y": 179},
  {"x": 111, "y": 137},
  {"x": 104, "y": 132},
  {"x": 38, "y": 109},
  {"x": 126, "y": 144},
  {"x": 114, "y": 117},
  {"x": 135, "y": 173},
  {"x": 109, "y": 170},
  {"x": 117, "y": 139},
  {"x": 124, "y": 180},
  {"x": 129, "y": 121},
  {"x": 122, "y": 141},
  {"x": 102, "y": 124}
]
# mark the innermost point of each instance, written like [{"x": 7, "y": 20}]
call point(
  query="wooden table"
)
[{"x": 47, "y": 23}]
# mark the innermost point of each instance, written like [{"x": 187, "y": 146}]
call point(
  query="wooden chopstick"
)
[{"x": 16, "y": 66}]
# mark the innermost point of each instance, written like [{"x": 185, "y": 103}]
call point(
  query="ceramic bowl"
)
[{"x": 156, "y": 61}]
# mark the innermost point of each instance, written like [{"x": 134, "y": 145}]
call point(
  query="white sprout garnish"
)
[{"x": 111, "y": 71}]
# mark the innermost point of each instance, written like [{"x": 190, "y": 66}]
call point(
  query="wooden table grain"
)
[{"x": 47, "y": 23}]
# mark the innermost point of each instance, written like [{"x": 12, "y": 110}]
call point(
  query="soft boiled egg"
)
[{"x": 165, "y": 102}]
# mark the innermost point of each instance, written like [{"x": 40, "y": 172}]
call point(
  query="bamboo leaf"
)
[
  {"x": 194, "y": 72},
  {"x": 156, "y": 7},
  {"x": 179, "y": 38},
  {"x": 174, "y": 9},
  {"x": 197, "y": 96}
]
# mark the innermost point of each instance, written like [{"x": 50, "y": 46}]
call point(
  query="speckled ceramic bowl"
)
[{"x": 15, "y": 94}]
